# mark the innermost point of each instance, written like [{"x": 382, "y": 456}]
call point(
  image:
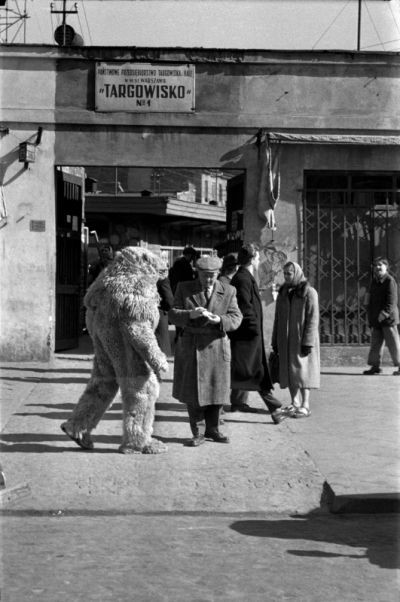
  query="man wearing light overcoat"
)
[{"x": 206, "y": 310}]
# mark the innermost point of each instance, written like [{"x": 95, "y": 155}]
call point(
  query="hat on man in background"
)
[
  {"x": 209, "y": 263},
  {"x": 191, "y": 251},
  {"x": 229, "y": 262}
]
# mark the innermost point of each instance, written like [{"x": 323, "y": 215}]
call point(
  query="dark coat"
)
[
  {"x": 202, "y": 352},
  {"x": 383, "y": 298},
  {"x": 249, "y": 362},
  {"x": 166, "y": 302},
  {"x": 297, "y": 323},
  {"x": 181, "y": 271}
]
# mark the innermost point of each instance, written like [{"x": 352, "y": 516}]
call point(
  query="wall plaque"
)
[
  {"x": 36, "y": 225},
  {"x": 144, "y": 87}
]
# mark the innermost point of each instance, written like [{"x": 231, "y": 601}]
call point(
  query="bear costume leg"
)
[
  {"x": 95, "y": 400},
  {"x": 139, "y": 388},
  {"x": 139, "y": 395}
]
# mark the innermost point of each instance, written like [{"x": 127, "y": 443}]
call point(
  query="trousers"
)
[
  {"x": 240, "y": 397},
  {"x": 204, "y": 419},
  {"x": 388, "y": 335}
]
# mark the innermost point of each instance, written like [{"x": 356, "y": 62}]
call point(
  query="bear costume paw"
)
[
  {"x": 81, "y": 438},
  {"x": 154, "y": 447}
]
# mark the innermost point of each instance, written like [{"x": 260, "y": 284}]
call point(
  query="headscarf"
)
[{"x": 298, "y": 274}]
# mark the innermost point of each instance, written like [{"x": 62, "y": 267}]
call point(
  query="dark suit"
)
[{"x": 249, "y": 362}]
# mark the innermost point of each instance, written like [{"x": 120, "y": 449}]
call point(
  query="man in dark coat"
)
[
  {"x": 166, "y": 302},
  {"x": 249, "y": 362},
  {"x": 383, "y": 318},
  {"x": 205, "y": 310},
  {"x": 182, "y": 270},
  {"x": 229, "y": 268}
]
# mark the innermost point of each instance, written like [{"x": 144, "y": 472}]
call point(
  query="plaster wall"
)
[
  {"x": 236, "y": 95},
  {"x": 285, "y": 243},
  {"x": 27, "y": 275},
  {"x": 304, "y": 90},
  {"x": 28, "y": 86}
]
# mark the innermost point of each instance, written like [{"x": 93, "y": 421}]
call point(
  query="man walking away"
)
[
  {"x": 383, "y": 318},
  {"x": 249, "y": 362}
]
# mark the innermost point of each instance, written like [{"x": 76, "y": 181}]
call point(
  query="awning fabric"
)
[{"x": 334, "y": 139}]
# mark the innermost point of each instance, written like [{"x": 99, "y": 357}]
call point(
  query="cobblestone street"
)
[
  {"x": 176, "y": 558},
  {"x": 245, "y": 521}
]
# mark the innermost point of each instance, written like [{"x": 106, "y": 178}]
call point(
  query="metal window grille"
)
[{"x": 349, "y": 219}]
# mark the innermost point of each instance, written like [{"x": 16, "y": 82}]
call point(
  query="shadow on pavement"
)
[
  {"x": 63, "y": 415},
  {"x": 171, "y": 407},
  {"x": 43, "y": 379},
  {"x": 334, "y": 373},
  {"x": 58, "y": 370},
  {"x": 37, "y": 443},
  {"x": 181, "y": 440},
  {"x": 115, "y": 407},
  {"x": 381, "y": 541},
  {"x": 109, "y": 415}
]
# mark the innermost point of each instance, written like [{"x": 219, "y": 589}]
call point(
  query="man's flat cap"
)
[{"x": 209, "y": 263}]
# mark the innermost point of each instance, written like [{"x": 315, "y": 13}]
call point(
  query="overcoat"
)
[
  {"x": 383, "y": 298},
  {"x": 181, "y": 271},
  {"x": 296, "y": 323},
  {"x": 202, "y": 351},
  {"x": 249, "y": 363},
  {"x": 166, "y": 302}
]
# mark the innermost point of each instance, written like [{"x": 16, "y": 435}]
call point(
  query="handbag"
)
[{"x": 273, "y": 364}]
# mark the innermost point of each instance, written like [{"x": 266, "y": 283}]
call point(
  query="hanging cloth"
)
[
  {"x": 269, "y": 183},
  {"x": 3, "y": 207}
]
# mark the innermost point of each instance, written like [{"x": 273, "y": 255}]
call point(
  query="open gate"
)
[{"x": 69, "y": 207}]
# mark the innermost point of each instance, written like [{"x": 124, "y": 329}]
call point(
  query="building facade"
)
[{"x": 314, "y": 135}]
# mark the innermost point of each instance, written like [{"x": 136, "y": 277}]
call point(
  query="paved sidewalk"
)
[{"x": 349, "y": 446}]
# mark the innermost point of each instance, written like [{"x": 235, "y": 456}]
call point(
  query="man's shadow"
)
[{"x": 378, "y": 534}]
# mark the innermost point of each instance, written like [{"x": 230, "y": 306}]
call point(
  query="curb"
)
[
  {"x": 363, "y": 503},
  {"x": 369, "y": 503}
]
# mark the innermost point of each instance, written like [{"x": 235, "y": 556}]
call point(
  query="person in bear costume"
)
[{"x": 121, "y": 316}]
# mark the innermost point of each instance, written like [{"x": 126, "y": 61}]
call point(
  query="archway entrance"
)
[{"x": 164, "y": 209}]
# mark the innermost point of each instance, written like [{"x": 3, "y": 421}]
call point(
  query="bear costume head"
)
[{"x": 128, "y": 286}]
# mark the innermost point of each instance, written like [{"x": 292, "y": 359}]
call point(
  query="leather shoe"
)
[
  {"x": 373, "y": 370},
  {"x": 278, "y": 416},
  {"x": 243, "y": 407},
  {"x": 217, "y": 437},
  {"x": 196, "y": 441}
]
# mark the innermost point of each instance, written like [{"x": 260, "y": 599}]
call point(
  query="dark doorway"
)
[{"x": 69, "y": 207}]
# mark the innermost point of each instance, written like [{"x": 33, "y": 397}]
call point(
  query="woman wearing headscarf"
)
[{"x": 295, "y": 337}]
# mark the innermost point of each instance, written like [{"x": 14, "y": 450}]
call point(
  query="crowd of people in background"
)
[
  {"x": 200, "y": 317},
  {"x": 220, "y": 350}
]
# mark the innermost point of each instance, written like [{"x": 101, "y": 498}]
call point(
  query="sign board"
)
[
  {"x": 37, "y": 225},
  {"x": 144, "y": 87}
]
